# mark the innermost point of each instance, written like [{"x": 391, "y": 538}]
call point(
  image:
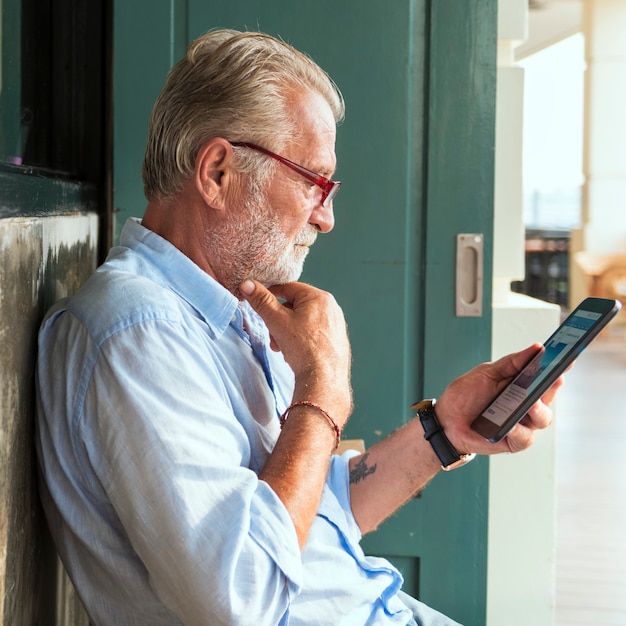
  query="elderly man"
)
[{"x": 191, "y": 394}]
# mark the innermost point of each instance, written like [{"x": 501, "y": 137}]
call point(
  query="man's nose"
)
[{"x": 323, "y": 218}]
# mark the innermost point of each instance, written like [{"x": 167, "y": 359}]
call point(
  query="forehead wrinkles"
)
[{"x": 312, "y": 143}]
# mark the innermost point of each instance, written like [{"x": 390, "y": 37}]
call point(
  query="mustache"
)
[{"x": 307, "y": 236}]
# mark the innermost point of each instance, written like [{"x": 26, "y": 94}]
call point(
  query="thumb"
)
[
  {"x": 261, "y": 299},
  {"x": 265, "y": 303},
  {"x": 512, "y": 364}
]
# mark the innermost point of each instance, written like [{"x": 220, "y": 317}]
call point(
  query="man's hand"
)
[
  {"x": 466, "y": 397},
  {"x": 308, "y": 327}
]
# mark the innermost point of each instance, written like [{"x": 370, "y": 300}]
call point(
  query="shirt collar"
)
[{"x": 176, "y": 271}]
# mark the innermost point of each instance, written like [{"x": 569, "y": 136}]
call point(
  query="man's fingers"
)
[
  {"x": 522, "y": 435},
  {"x": 548, "y": 396},
  {"x": 519, "y": 438}
]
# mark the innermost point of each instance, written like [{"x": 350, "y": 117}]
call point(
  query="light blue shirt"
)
[{"x": 158, "y": 402}]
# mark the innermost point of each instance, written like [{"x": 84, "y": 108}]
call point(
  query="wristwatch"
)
[{"x": 433, "y": 433}]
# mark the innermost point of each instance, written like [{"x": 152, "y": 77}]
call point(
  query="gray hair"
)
[{"x": 233, "y": 85}]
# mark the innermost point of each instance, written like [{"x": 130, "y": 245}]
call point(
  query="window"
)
[{"x": 54, "y": 103}]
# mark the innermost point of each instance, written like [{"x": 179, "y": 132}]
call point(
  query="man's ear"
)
[{"x": 213, "y": 172}]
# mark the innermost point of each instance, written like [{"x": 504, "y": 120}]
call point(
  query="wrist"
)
[
  {"x": 320, "y": 410},
  {"x": 335, "y": 398},
  {"x": 449, "y": 457}
]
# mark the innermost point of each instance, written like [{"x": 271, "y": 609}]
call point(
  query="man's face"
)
[{"x": 271, "y": 231}]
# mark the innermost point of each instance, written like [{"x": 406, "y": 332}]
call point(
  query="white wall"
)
[{"x": 521, "y": 543}]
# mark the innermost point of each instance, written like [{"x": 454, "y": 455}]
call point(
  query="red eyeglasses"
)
[{"x": 330, "y": 188}]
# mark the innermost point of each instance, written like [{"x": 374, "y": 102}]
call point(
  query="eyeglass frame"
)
[{"x": 330, "y": 188}]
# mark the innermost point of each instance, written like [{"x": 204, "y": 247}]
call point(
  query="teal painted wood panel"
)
[
  {"x": 460, "y": 149},
  {"x": 149, "y": 37}
]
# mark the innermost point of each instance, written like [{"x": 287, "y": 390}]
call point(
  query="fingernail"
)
[{"x": 247, "y": 287}]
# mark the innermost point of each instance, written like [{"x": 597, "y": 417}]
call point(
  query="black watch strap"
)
[{"x": 433, "y": 433}]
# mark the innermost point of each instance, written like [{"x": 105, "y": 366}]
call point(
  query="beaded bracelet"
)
[{"x": 333, "y": 423}]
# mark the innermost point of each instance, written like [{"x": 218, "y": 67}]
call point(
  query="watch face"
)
[{"x": 465, "y": 458}]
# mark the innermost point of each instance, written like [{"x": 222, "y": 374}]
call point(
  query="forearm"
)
[
  {"x": 298, "y": 466},
  {"x": 389, "y": 473}
]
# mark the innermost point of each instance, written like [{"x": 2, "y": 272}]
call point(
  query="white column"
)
[
  {"x": 604, "y": 24},
  {"x": 604, "y": 156},
  {"x": 520, "y": 584}
]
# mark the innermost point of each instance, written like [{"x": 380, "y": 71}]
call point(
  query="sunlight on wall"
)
[{"x": 553, "y": 135}]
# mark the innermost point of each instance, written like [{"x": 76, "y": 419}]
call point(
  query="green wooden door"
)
[{"x": 415, "y": 156}]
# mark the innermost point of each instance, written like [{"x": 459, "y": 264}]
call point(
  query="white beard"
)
[{"x": 253, "y": 245}]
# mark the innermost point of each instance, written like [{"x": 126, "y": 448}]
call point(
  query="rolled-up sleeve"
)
[{"x": 159, "y": 427}]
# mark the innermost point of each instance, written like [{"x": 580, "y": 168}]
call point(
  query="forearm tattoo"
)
[{"x": 361, "y": 469}]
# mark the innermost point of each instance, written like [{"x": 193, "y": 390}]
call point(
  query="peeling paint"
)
[
  {"x": 43, "y": 259},
  {"x": 68, "y": 231}
]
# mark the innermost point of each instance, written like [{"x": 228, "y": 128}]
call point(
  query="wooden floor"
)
[{"x": 591, "y": 487}]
